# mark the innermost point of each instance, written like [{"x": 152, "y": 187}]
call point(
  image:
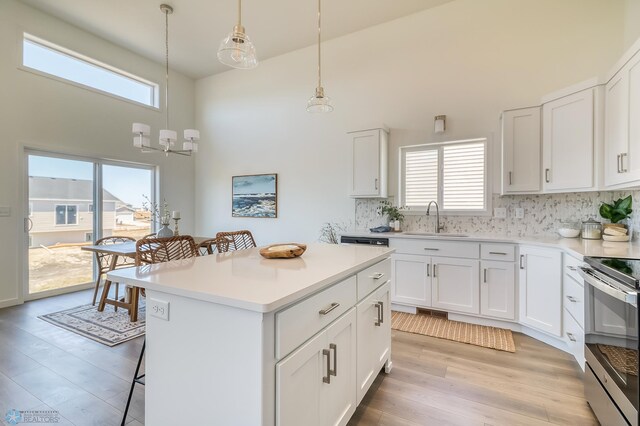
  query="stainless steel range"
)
[{"x": 611, "y": 338}]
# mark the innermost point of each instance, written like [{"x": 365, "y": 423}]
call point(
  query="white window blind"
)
[
  {"x": 463, "y": 177},
  {"x": 421, "y": 177}
]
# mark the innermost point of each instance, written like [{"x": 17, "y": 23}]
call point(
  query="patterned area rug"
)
[
  {"x": 108, "y": 327},
  {"x": 622, "y": 359},
  {"x": 473, "y": 334}
]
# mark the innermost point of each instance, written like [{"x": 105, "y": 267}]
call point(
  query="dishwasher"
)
[{"x": 369, "y": 241}]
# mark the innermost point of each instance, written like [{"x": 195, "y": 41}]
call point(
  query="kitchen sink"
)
[{"x": 434, "y": 234}]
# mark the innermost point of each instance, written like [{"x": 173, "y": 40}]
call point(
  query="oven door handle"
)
[{"x": 627, "y": 297}]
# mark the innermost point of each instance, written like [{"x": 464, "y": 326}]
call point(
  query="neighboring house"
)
[
  {"x": 61, "y": 211},
  {"x": 125, "y": 215}
]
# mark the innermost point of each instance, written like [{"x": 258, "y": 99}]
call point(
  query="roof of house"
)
[
  {"x": 48, "y": 188},
  {"x": 125, "y": 209}
]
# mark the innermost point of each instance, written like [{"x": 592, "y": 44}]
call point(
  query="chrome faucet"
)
[{"x": 439, "y": 227}]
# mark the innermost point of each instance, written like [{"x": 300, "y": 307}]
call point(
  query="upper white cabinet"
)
[
  {"x": 521, "y": 151},
  {"x": 568, "y": 142},
  {"x": 368, "y": 161},
  {"x": 622, "y": 126}
]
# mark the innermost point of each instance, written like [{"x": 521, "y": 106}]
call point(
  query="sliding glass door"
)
[{"x": 63, "y": 193}]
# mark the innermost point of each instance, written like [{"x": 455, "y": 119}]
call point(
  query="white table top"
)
[{"x": 246, "y": 280}]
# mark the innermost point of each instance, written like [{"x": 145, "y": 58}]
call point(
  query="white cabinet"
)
[
  {"x": 521, "y": 147},
  {"x": 411, "y": 283},
  {"x": 315, "y": 385},
  {"x": 622, "y": 127},
  {"x": 374, "y": 337},
  {"x": 568, "y": 142},
  {"x": 455, "y": 285},
  {"x": 368, "y": 161},
  {"x": 497, "y": 290},
  {"x": 541, "y": 289}
]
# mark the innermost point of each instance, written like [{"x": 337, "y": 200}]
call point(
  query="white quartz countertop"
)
[
  {"x": 576, "y": 247},
  {"x": 246, "y": 280}
]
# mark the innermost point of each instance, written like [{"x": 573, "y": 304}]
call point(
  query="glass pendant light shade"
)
[
  {"x": 237, "y": 50},
  {"x": 319, "y": 102}
]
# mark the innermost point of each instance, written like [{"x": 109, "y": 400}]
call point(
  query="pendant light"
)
[
  {"x": 168, "y": 137},
  {"x": 319, "y": 102},
  {"x": 236, "y": 50}
]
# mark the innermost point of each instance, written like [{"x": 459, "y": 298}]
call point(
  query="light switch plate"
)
[
  {"x": 158, "y": 308},
  {"x": 5, "y": 211},
  {"x": 519, "y": 213},
  {"x": 500, "y": 213}
]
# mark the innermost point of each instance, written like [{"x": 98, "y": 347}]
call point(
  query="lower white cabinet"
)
[
  {"x": 316, "y": 384},
  {"x": 541, "y": 289},
  {"x": 374, "y": 337},
  {"x": 411, "y": 283},
  {"x": 454, "y": 284},
  {"x": 498, "y": 289}
]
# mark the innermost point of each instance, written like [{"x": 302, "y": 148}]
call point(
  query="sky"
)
[{"x": 128, "y": 184}]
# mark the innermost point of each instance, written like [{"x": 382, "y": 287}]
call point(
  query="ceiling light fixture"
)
[
  {"x": 236, "y": 50},
  {"x": 168, "y": 137},
  {"x": 319, "y": 102}
]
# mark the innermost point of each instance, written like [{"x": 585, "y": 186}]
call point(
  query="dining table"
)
[{"x": 117, "y": 251}]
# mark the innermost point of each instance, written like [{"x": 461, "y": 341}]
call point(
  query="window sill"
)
[{"x": 443, "y": 213}]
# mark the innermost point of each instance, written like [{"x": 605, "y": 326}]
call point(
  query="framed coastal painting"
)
[{"x": 255, "y": 196}]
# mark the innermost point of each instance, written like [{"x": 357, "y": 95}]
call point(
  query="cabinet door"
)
[
  {"x": 541, "y": 289},
  {"x": 299, "y": 384},
  {"x": 339, "y": 396},
  {"x": 568, "y": 142},
  {"x": 631, "y": 162},
  {"x": 498, "y": 289},
  {"x": 368, "y": 157},
  {"x": 411, "y": 283},
  {"x": 521, "y": 148},
  {"x": 455, "y": 284},
  {"x": 616, "y": 120},
  {"x": 374, "y": 337}
]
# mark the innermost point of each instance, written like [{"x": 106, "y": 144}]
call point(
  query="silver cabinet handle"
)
[
  {"x": 572, "y": 299},
  {"x": 381, "y": 312},
  {"x": 428, "y": 270},
  {"x": 375, "y": 182},
  {"x": 378, "y": 310},
  {"x": 431, "y": 249},
  {"x": 377, "y": 276},
  {"x": 619, "y": 168},
  {"x": 331, "y": 307},
  {"x": 571, "y": 337},
  {"x": 485, "y": 275},
  {"x": 571, "y": 268},
  {"x": 622, "y": 168},
  {"x": 510, "y": 178},
  {"x": 522, "y": 261},
  {"x": 546, "y": 175},
  {"x": 327, "y": 378},
  {"x": 334, "y": 372},
  {"x": 435, "y": 265},
  {"x": 498, "y": 253}
]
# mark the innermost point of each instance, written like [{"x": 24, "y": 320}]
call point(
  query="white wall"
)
[
  {"x": 631, "y": 22},
  {"x": 44, "y": 113},
  {"x": 466, "y": 59}
]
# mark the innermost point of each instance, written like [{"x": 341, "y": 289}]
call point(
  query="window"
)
[
  {"x": 453, "y": 174},
  {"x": 88, "y": 237},
  {"x": 54, "y": 60},
  {"x": 66, "y": 215},
  {"x": 90, "y": 208}
]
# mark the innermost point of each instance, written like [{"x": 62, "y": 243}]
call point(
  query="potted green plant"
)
[
  {"x": 394, "y": 213},
  {"x": 616, "y": 212}
]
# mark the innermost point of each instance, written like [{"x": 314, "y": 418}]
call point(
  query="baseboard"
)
[
  {"x": 10, "y": 302},
  {"x": 403, "y": 308}
]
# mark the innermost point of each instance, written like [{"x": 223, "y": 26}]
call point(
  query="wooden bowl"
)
[{"x": 283, "y": 250}]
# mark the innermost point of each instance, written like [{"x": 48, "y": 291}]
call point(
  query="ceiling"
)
[{"x": 197, "y": 26}]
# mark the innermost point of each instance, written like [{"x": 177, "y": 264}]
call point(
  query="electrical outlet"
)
[
  {"x": 500, "y": 213},
  {"x": 519, "y": 213},
  {"x": 159, "y": 308}
]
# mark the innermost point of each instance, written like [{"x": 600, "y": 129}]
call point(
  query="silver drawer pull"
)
[
  {"x": 378, "y": 315},
  {"x": 571, "y": 268},
  {"x": 498, "y": 253},
  {"x": 334, "y": 347},
  {"x": 377, "y": 276},
  {"x": 431, "y": 249},
  {"x": 572, "y": 299},
  {"x": 571, "y": 337},
  {"x": 331, "y": 307},
  {"x": 327, "y": 378}
]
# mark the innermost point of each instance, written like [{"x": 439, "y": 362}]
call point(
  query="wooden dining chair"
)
[
  {"x": 238, "y": 240},
  {"x": 105, "y": 262},
  {"x": 212, "y": 245}
]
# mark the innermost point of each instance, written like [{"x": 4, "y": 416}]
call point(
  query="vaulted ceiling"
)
[{"x": 198, "y": 26}]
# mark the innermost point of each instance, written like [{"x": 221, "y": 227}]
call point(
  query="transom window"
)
[
  {"x": 65, "y": 64},
  {"x": 66, "y": 214},
  {"x": 454, "y": 174}
]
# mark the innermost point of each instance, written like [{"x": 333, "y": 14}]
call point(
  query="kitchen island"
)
[{"x": 236, "y": 339}]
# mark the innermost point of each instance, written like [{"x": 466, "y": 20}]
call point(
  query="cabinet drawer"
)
[
  {"x": 506, "y": 252},
  {"x": 574, "y": 299},
  {"x": 301, "y": 321},
  {"x": 373, "y": 277},
  {"x": 432, "y": 247},
  {"x": 574, "y": 336},
  {"x": 571, "y": 267}
]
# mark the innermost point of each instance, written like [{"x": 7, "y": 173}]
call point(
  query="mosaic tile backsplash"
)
[{"x": 542, "y": 214}]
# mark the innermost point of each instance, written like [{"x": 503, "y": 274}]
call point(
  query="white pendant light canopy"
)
[
  {"x": 168, "y": 138},
  {"x": 319, "y": 102},
  {"x": 236, "y": 49}
]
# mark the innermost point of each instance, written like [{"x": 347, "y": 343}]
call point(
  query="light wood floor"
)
[{"x": 433, "y": 382}]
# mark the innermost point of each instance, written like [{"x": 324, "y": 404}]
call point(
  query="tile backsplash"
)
[{"x": 542, "y": 214}]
